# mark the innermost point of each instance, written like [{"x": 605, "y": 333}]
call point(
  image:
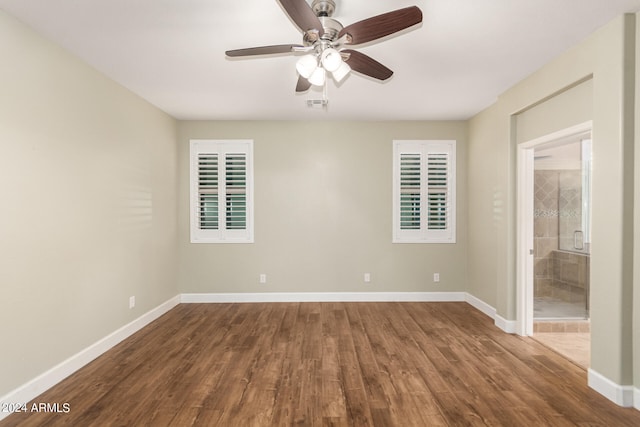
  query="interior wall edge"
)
[{"x": 621, "y": 395}]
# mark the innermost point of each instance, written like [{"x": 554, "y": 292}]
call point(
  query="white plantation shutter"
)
[
  {"x": 236, "y": 191},
  {"x": 221, "y": 191},
  {"x": 437, "y": 189},
  {"x": 410, "y": 191},
  {"x": 424, "y": 192},
  {"x": 208, "y": 191}
]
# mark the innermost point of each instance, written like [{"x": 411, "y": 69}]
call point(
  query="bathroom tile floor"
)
[
  {"x": 563, "y": 327},
  {"x": 549, "y": 308},
  {"x": 575, "y": 346}
]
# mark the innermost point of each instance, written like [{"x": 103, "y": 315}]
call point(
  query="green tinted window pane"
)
[
  {"x": 409, "y": 212},
  {"x": 437, "y": 211},
  {"x": 236, "y": 212},
  {"x": 209, "y": 212}
]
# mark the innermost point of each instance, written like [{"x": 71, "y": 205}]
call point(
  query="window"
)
[
  {"x": 221, "y": 191},
  {"x": 424, "y": 192}
]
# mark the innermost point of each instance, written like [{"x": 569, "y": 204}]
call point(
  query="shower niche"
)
[{"x": 562, "y": 229}]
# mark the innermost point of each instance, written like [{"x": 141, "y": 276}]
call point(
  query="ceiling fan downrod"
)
[{"x": 323, "y": 8}]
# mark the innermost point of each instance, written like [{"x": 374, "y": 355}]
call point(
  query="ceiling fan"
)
[{"x": 326, "y": 41}]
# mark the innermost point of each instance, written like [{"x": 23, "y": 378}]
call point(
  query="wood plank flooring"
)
[{"x": 327, "y": 364}]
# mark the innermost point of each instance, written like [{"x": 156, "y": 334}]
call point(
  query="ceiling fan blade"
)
[
  {"x": 382, "y": 25},
  {"x": 303, "y": 84},
  {"x": 364, "y": 64},
  {"x": 302, "y": 15},
  {"x": 264, "y": 50}
]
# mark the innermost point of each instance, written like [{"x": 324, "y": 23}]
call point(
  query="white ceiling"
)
[{"x": 171, "y": 52}]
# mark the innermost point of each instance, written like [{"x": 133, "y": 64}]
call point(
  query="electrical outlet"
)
[
  {"x": 263, "y": 278},
  {"x": 367, "y": 277},
  {"x": 436, "y": 277},
  {"x": 132, "y": 302}
]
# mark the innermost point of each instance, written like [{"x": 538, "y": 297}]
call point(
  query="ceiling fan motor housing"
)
[
  {"x": 323, "y": 9},
  {"x": 331, "y": 29}
]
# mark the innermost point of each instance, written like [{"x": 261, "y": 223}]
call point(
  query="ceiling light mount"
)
[{"x": 323, "y": 8}]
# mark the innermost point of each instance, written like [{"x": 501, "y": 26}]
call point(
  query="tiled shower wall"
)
[
  {"x": 570, "y": 277},
  {"x": 570, "y": 210},
  {"x": 546, "y": 229},
  {"x": 558, "y": 274}
]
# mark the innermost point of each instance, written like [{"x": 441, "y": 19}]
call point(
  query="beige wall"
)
[
  {"x": 323, "y": 212},
  {"x": 493, "y": 138},
  {"x": 88, "y": 196},
  {"x": 489, "y": 188},
  {"x": 563, "y": 110},
  {"x": 636, "y": 229}
]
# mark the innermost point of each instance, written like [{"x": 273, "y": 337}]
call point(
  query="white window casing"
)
[
  {"x": 221, "y": 191},
  {"x": 424, "y": 191}
]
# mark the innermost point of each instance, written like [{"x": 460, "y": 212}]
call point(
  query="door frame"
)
[{"x": 525, "y": 222}]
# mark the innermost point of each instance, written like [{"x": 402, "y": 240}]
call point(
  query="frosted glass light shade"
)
[
  {"x": 318, "y": 77},
  {"x": 331, "y": 59},
  {"x": 341, "y": 72},
  {"x": 307, "y": 65}
]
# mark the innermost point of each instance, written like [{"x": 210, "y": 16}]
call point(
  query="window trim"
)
[
  {"x": 221, "y": 148},
  {"x": 422, "y": 234}
]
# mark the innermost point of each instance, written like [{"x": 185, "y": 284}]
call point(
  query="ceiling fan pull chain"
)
[{"x": 325, "y": 97}]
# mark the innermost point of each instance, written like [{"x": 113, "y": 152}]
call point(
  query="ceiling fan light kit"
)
[
  {"x": 318, "y": 78},
  {"x": 341, "y": 72},
  {"x": 326, "y": 42},
  {"x": 306, "y": 65},
  {"x": 331, "y": 59}
]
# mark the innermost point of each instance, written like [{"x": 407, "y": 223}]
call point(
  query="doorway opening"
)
[
  {"x": 554, "y": 214},
  {"x": 562, "y": 229}
]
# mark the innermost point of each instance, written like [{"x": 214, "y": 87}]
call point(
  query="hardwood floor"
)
[{"x": 327, "y": 364}]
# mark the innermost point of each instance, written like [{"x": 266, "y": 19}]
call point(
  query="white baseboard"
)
[
  {"x": 509, "y": 326},
  {"x": 325, "y": 297},
  {"x": 53, "y": 376},
  {"x": 481, "y": 305},
  {"x": 619, "y": 394},
  {"x": 636, "y": 398}
]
